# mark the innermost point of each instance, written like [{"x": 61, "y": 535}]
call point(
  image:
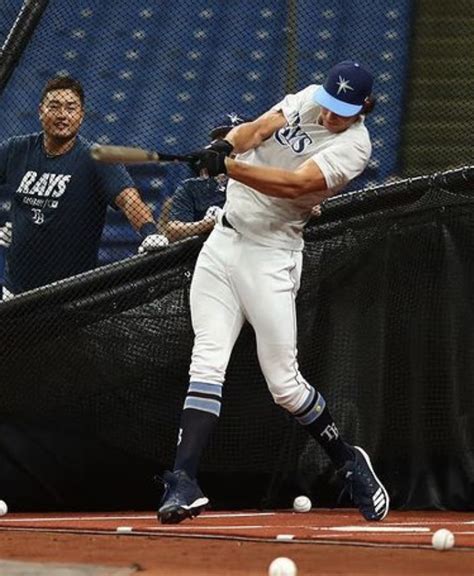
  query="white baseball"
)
[
  {"x": 302, "y": 504},
  {"x": 442, "y": 539},
  {"x": 3, "y": 508},
  {"x": 282, "y": 567}
]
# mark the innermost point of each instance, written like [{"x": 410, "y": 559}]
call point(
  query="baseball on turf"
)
[
  {"x": 282, "y": 567},
  {"x": 442, "y": 539},
  {"x": 302, "y": 504},
  {"x": 3, "y": 508}
]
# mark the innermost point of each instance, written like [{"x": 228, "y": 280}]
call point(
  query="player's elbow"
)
[{"x": 302, "y": 185}]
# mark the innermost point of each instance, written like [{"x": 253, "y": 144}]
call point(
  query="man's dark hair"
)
[
  {"x": 369, "y": 105},
  {"x": 63, "y": 83}
]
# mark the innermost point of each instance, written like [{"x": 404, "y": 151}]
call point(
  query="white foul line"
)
[
  {"x": 76, "y": 518},
  {"x": 240, "y": 514},
  {"x": 199, "y": 528},
  {"x": 136, "y": 517},
  {"x": 379, "y": 529}
]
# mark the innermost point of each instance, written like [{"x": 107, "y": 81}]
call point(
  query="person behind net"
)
[
  {"x": 59, "y": 196},
  {"x": 197, "y": 202},
  {"x": 303, "y": 150}
]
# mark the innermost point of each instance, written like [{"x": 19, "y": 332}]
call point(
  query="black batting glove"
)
[
  {"x": 221, "y": 146},
  {"x": 209, "y": 162}
]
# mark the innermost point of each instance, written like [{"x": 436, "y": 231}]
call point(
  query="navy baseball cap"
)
[
  {"x": 347, "y": 86},
  {"x": 227, "y": 123}
]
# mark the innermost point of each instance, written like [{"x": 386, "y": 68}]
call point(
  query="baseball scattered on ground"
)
[
  {"x": 3, "y": 508},
  {"x": 302, "y": 504},
  {"x": 282, "y": 567},
  {"x": 442, "y": 539}
]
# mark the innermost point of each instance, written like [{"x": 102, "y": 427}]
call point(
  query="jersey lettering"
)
[
  {"x": 38, "y": 216},
  {"x": 61, "y": 186},
  {"x": 26, "y": 182},
  {"x": 33, "y": 201},
  {"x": 46, "y": 185},
  {"x": 294, "y": 137},
  {"x": 40, "y": 186},
  {"x": 56, "y": 180}
]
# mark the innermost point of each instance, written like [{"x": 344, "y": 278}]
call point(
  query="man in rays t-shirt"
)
[{"x": 59, "y": 195}]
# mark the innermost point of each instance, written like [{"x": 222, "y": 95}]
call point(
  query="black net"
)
[
  {"x": 385, "y": 308},
  {"x": 385, "y": 331}
]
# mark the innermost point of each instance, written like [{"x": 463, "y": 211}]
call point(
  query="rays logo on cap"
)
[
  {"x": 347, "y": 86},
  {"x": 228, "y": 122},
  {"x": 343, "y": 85}
]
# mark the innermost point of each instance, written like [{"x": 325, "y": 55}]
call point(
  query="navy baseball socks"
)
[
  {"x": 183, "y": 497},
  {"x": 353, "y": 464}
]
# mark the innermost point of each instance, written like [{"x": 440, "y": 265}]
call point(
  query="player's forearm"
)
[
  {"x": 244, "y": 138},
  {"x": 177, "y": 230},
  {"x": 251, "y": 134},
  {"x": 135, "y": 210},
  {"x": 276, "y": 182}
]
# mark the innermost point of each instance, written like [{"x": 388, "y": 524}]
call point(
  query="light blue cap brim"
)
[{"x": 340, "y": 108}]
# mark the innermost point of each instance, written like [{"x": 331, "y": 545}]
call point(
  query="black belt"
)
[{"x": 226, "y": 223}]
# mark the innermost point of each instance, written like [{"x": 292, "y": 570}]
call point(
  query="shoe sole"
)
[
  {"x": 176, "y": 514},
  {"x": 382, "y": 487}
]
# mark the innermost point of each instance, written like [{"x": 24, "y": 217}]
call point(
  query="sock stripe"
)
[
  {"x": 308, "y": 404},
  {"x": 206, "y": 388},
  {"x": 204, "y": 404},
  {"x": 314, "y": 411},
  {"x": 204, "y": 396}
]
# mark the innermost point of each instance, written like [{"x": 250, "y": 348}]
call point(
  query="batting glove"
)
[
  {"x": 209, "y": 162},
  {"x": 6, "y": 235},
  {"x": 153, "y": 242},
  {"x": 221, "y": 146}
]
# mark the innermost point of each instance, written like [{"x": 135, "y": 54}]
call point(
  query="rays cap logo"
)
[
  {"x": 347, "y": 86},
  {"x": 228, "y": 122}
]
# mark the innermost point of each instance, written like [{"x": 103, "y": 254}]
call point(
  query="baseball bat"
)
[{"x": 131, "y": 155}]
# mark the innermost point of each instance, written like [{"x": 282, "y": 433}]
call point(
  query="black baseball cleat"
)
[
  {"x": 365, "y": 489},
  {"x": 182, "y": 498}
]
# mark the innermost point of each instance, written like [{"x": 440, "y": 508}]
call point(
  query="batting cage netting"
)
[{"x": 386, "y": 307}]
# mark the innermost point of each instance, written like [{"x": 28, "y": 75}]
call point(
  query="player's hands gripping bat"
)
[
  {"x": 131, "y": 155},
  {"x": 210, "y": 161}
]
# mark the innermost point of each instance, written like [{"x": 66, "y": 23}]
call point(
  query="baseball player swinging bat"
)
[{"x": 131, "y": 155}]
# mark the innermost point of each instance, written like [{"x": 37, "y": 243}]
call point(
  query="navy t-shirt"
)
[
  {"x": 58, "y": 208},
  {"x": 194, "y": 196}
]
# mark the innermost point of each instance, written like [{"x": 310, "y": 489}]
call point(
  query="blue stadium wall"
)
[{"x": 160, "y": 74}]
